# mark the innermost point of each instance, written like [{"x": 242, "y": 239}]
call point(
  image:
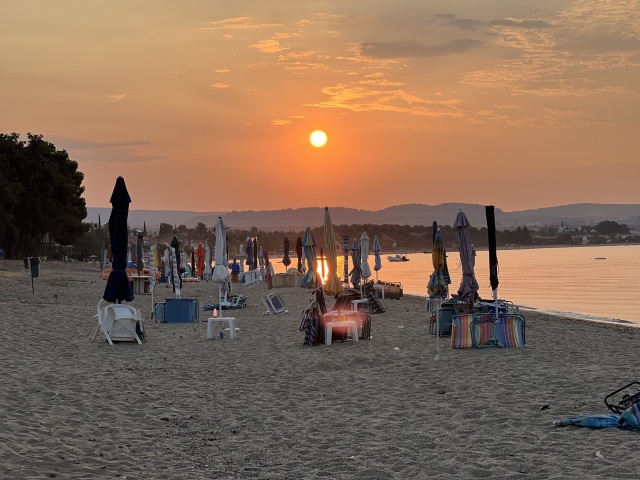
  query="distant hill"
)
[{"x": 411, "y": 214}]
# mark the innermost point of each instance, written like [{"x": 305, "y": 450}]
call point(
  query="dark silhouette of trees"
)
[
  {"x": 609, "y": 227},
  {"x": 40, "y": 196}
]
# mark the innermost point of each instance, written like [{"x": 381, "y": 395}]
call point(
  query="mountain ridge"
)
[{"x": 577, "y": 214}]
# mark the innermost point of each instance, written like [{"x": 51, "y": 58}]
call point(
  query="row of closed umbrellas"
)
[{"x": 118, "y": 287}]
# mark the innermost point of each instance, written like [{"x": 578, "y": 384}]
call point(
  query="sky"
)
[{"x": 208, "y": 105}]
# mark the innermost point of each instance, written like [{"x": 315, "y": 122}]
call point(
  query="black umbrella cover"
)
[
  {"x": 255, "y": 252},
  {"x": 299, "y": 253},
  {"x": 493, "y": 251},
  {"x": 286, "y": 261},
  {"x": 434, "y": 229},
  {"x": 175, "y": 244},
  {"x": 140, "y": 254},
  {"x": 118, "y": 286}
]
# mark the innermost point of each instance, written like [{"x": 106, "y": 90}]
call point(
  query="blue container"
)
[
  {"x": 158, "y": 311},
  {"x": 181, "y": 310}
]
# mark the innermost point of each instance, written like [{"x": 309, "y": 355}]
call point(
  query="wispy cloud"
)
[
  {"x": 563, "y": 60},
  {"x": 114, "y": 152},
  {"x": 372, "y": 94},
  {"x": 220, "y": 85},
  {"x": 449, "y": 19},
  {"x": 237, "y": 23},
  {"x": 279, "y": 122},
  {"x": 268, "y": 46},
  {"x": 116, "y": 97},
  {"x": 411, "y": 49}
]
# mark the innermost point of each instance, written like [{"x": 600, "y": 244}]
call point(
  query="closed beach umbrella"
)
[
  {"x": 345, "y": 244},
  {"x": 140, "y": 254},
  {"x": 255, "y": 252},
  {"x": 493, "y": 252},
  {"x": 376, "y": 253},
  {"x": 118, "y": 286},
  {"x": 267, "y": 266},
  {"x": 250, "y": 265},
  {"x": 153, "y": 265},
  {"x": 207, "y": 262},
  {"x": 175, "y": 259},
  {"x": 356, "y": 272},
  {"x": 309, "y": 246},
  {"x": 166, "y": 258},
  {"x": 242, "y": 256},
  {"x": 437, "y": 288},
  {"x": 286, "y": 261},
  {"x": 468, "y": 290},
  {"x": 333, "y": 286},
  {"x": 261, "y": 261},
  {"x": 193, "y": 263},
  {"x": 221, "y": 268},
  {"x": 200, "y": 260},
  {"x": 299, "y": 253},
  {"x": 364, "y": 256}
]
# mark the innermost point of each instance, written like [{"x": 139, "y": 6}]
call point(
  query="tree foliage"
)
[
  {"x": 609, "y": 227},
  {"x": 40, "y": 195}
]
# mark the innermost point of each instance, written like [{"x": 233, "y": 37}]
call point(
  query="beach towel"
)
[{"x": 629, "y": 419}]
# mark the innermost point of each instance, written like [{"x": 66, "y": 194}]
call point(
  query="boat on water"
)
[{"x": 397, "y": 258}]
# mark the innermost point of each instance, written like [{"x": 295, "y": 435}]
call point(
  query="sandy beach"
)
[{"x": 265, "y": 406}]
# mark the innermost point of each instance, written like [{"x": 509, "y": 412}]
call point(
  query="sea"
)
[{"x": 596, "y": 283}]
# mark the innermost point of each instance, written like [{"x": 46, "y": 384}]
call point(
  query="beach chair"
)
[{"x": 119, "y": 322}]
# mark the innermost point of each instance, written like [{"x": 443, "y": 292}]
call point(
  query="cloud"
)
[
  {"x": 237, "y": 23},
  {"x": 449, "y": 19},
  {"x": 571, "y": 57},
  {"x": 268, "y": 46},
  {"x": 220, "y": 85},
  {"x": 410, "y": 49},
  {"x": 116, "y": 97},
  {"x": 372, "y": 95},
  {"x": 281, "y": 122},
  {"x": 222, "y": 70},
  {"x": 112, "y": 152}
]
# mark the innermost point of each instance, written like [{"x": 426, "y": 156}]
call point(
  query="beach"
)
[{"x": 265, "y": 406}]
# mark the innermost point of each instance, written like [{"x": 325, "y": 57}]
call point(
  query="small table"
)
[
  {"x": 356, "y": 303},
  {"x": 328, "y": 329},
  {"x": 229, "y": 320},
  {"x": 140, "y": 283}
]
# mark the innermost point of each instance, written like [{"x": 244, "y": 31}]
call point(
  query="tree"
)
[
  {"x": 165, "y": 229},
  {"x": 40, "y": 195},
  {"x": 609, "y": 227},
  {"x": 201, "y": 230}
]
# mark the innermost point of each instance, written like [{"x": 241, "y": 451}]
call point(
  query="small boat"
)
[
  {"x": 600, "y": 258},
  {"x": 397, "y": 258}
]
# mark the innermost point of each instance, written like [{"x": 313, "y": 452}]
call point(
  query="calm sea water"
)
[{"x": 597, "y": 283}]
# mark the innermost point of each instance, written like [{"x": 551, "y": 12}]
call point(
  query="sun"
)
[{"x": 318, "y": 138}]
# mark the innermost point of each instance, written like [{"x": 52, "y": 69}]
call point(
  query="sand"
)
[{"x": 263, "y": 405}]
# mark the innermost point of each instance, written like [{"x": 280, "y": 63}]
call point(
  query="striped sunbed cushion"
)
[
  {"x": 461, "y": 331},
  {"x": 510, "y": 331}
]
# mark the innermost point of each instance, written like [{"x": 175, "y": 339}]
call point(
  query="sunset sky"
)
[{"x": 208, "y": 105}]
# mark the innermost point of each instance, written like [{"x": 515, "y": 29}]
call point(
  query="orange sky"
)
[{"x": 208, "y": 105}]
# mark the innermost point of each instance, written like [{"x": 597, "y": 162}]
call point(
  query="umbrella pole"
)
[{"x": 437, "y": 357}]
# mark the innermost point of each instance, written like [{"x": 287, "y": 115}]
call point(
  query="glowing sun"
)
[{"x": 318, "y": 138}]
